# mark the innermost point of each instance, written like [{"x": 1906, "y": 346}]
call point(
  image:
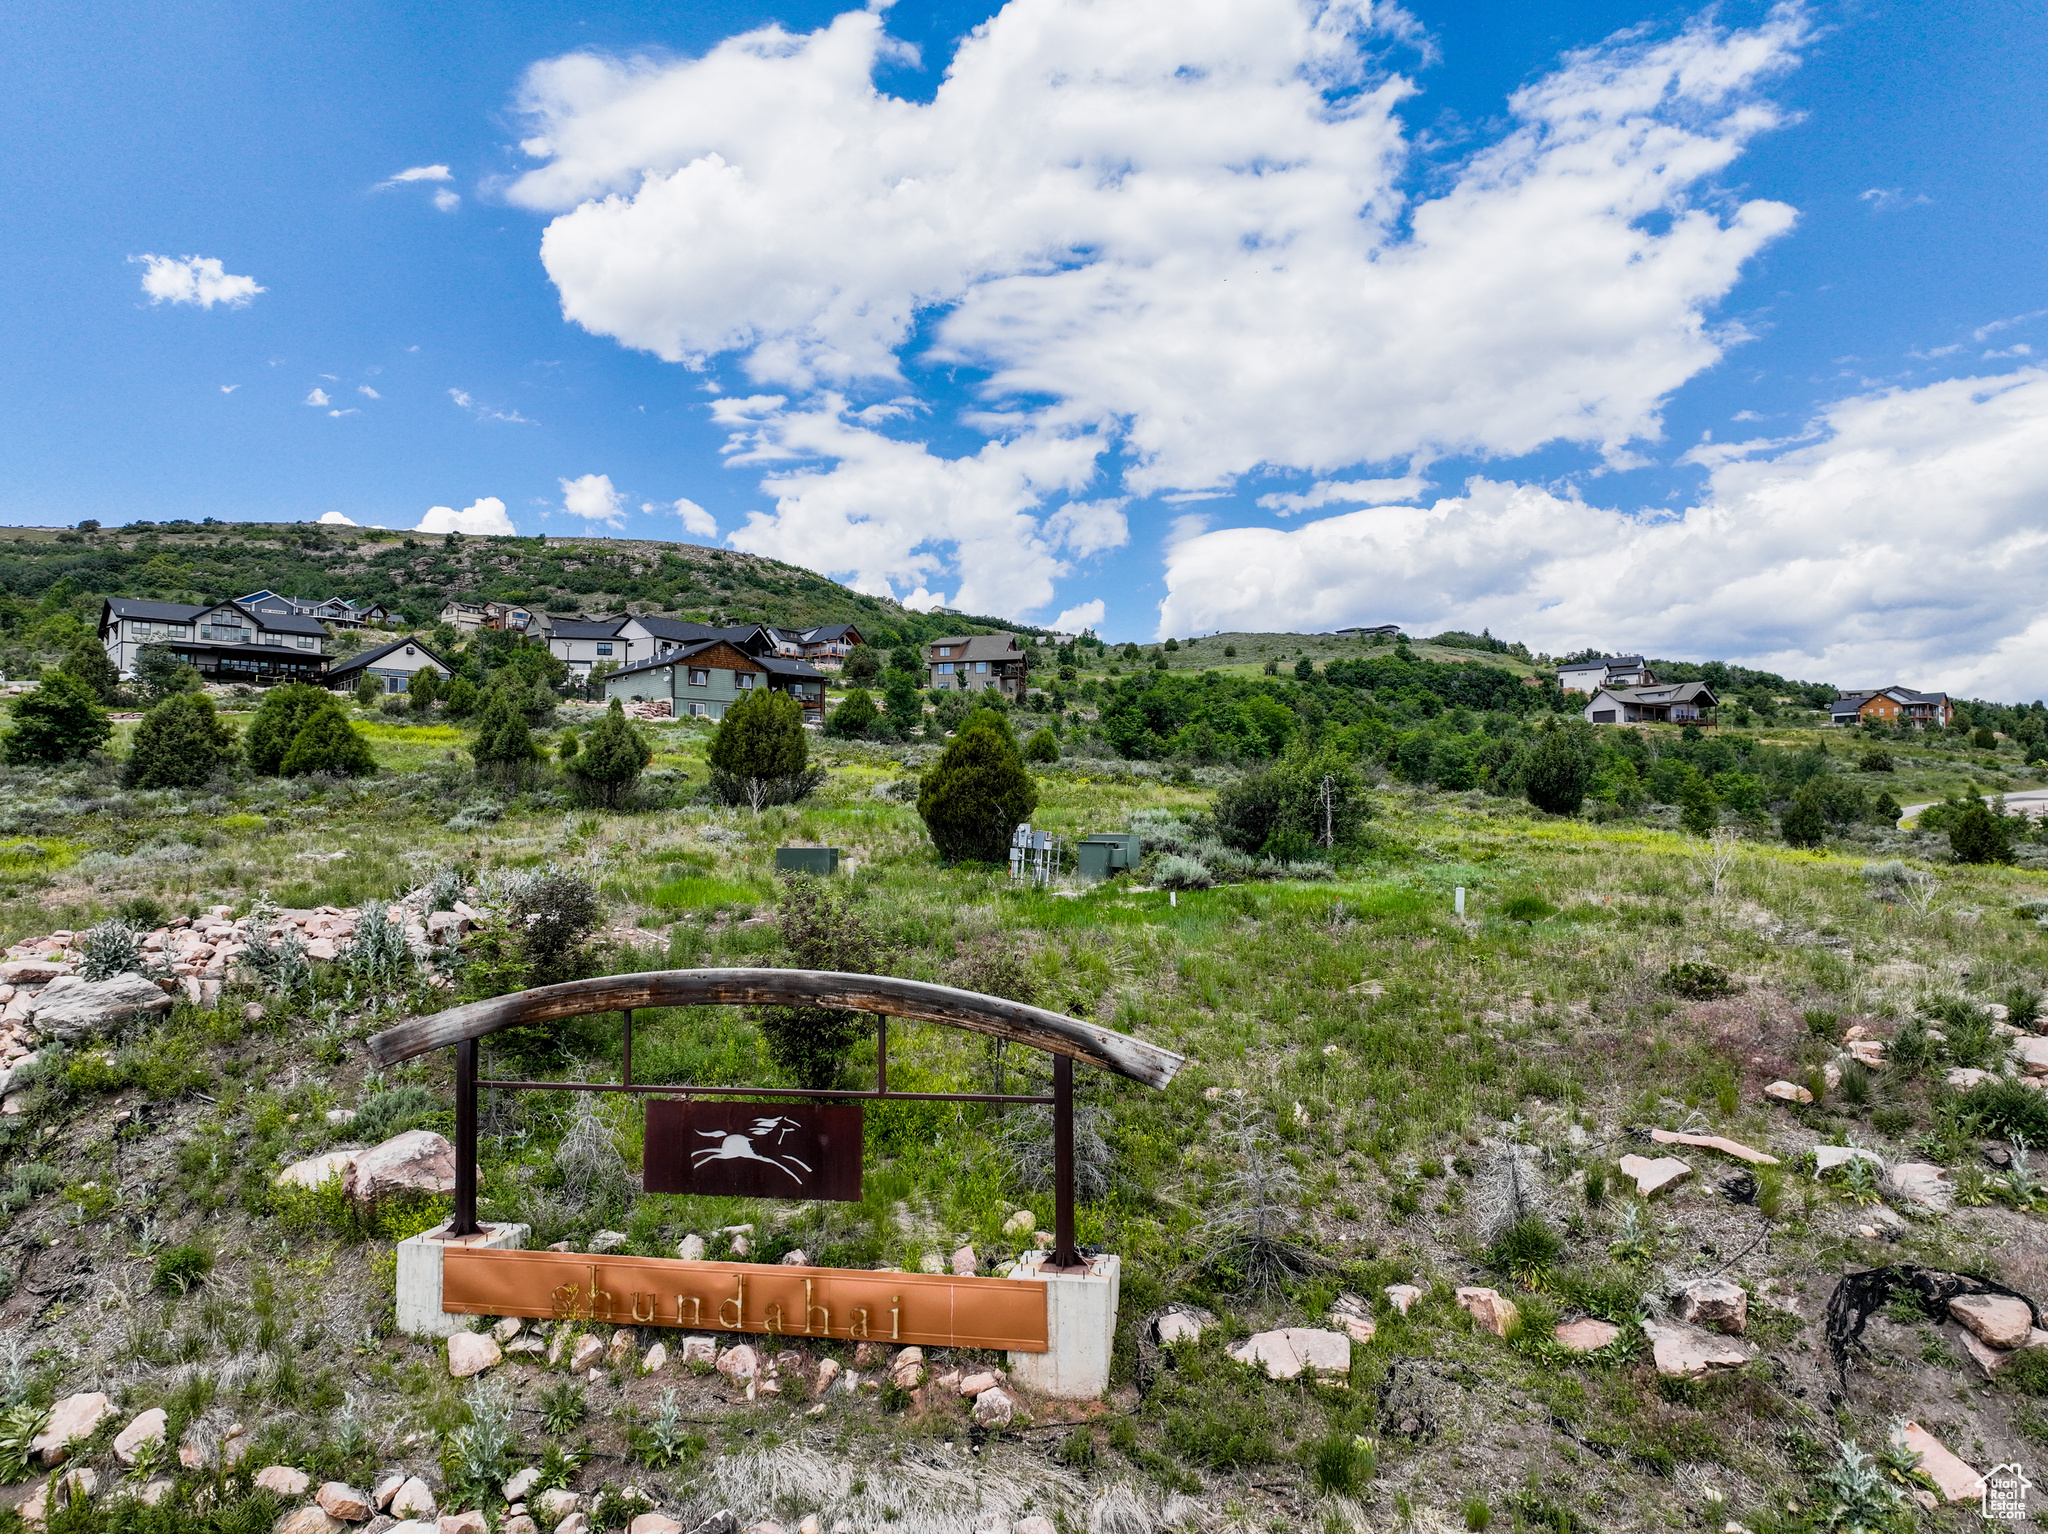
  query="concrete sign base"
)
[
  {"x": 419, "y": 1276},
  {"x": 1080, "y": 1313}
]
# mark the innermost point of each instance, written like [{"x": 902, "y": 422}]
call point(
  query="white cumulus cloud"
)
[
  {"x": 1076, "y": 620},
  {"x": 421, "y": 173},
  {"x": 592, "y": 497},
  {"x": 1180, "y": 240},
  {"x": 367, "y": 392},
  {"x": 697, "y": 522},
  {"x": 336, "y": 519},
  {"x": 1366, "y": 492},
  {"x": 484, "y": 516},
  {"x": 198, "y": 280},
  {"x": 317, "y": 397},
  {"x": 447, "y": 201},
  {"x": 1898, "y": 539}
]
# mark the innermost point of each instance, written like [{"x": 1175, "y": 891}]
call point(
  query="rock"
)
[
  {"x": 1827, "y": 1157},
  {"x": 155, "y": 1489},
  {"x": 519, "y": 1523},
  {"x": 283, "y": 1480},
  {"x": 1682, "y": 1352},
  {"x": 1787, "y": 1092},
  {"x": 1962, "y": 1078},
  {"x": 1714, "y": 1302},
  {"x": 556, "y": 1504},
  {"x": 1022, "y": 1223},
  {"x": 417, "y": 1161},
  {"x": 1997, "y": 1319},
  {"x": 1352, "y": 1316},
  {"x": 654, "y": 1523},
  {"x": 795, "y": 1259},
  {"x": 764, "y": 1528},
  {"x": 1915, "y": 1182},
  {"x": 906, "y": 1376},
  {"x": 720, "y": 1522},
  {"x": 387, "y": 1489},
  {"x": 828, "y": 1371},
  {"x": 585, "y": 1354},
  {"x": 1586, "y": 1336},
  {"x": 1403, "y": 1296},
  {"x": 471, "y": 1353},
  {"x": 975, "y": 1384},
  {"x": 1653, "y": 1175},
  {"x": 1179, "y": 1326},
  {"x": 72, "y": 1418},
  {"x": 1990, "y": 1360},
  {"x": 691, "y": 1248},
  {"x": 1727, "y": 1147},
  {"x": 309, "y": 1520},
  {"x": 609, "y": 1241},
  {"x": 340, "y": 1500},
  {"x": 341, "y": 1118},
  {"x": 965, "y": 1263},
  {"x": 575, "y": 1523},
  {"x": 252, "y": 1013},
  {"x": 1285, "y": 1353},
  {"x": 1033, "y": 1525},
  {"x": 866, "y": 1355},
  {"x": 32, "y": 971},
  {"x": 1489, "y": 1309},
  {"x": 70, "y": 1009},
  {"x": 2031, "y": 1050},
  {"x": 519, "y": 1485},
  {"x": 741, "y": 1246},
  {"x": 471, "y": 1522},
  {"x": 315, "y": 1171},
  {"x": 620, "y": 1350},
  {"x": 994, "y": 1408},
  {"x": 60, "y": 1489},
  {"x": 507, "y": 1329},
  {"x": 1868, "y": 1052},
  {"x": 700, "y": 1350},
  {"x": 739, "y": 1364},
  {"x": 655, "y": 1358},
  {"x": 1958, "y": 1482},
  {"x": 153, "y": 1426},
  {"x": 931, "y": 1262},
  {"x": 412, "y": 1500}
]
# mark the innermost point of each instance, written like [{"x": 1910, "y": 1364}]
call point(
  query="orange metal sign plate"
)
[{"x": 930, "y": 1309}]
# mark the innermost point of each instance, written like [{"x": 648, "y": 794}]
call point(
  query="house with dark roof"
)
[
  {"x": 1892, "y": 705},
  {"x": 580, "y": 643},
  {"x": 393, "y": 665},
  {"x": 825, "y": 647},
  {"x": 653, "y": 636},
  {"x": 335, "y": 612},
  {"x": 1672, "y": 703},
  {"x": 701, "y": 680},
  {"x": 974, "y": 663},
  {"x": 1589, "y": 676},
  {"x": 223, "y": 641}
]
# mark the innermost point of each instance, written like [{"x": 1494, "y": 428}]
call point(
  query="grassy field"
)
[{"x": 1387, "y": 1086}]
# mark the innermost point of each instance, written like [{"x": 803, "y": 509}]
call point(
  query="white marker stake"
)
[
  {"x": 1173, "y": 897},
  {"x": 1460, "y": 897}
]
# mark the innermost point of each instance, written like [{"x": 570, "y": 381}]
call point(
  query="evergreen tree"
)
[
  {"x": 159, "y": 673},
  {"x": 459, "y": 700},
  {"x": 902, "y": 702},
  {"x": 612, "y": 758},
  {"x": 863, "y": 664},
  {"x": 854, "y": 717},
  {"x": 282, "y": 714},
  {"x": 1980, "y": 836},
  {"x": 87, "y": 660},
  {"x": 903, "y": 658},
  {"x": 1556, "y": 773},
  {"x": 977, "y": 793},
  {"x": 423, "y": 690},
  {"x": 178, "y": 744},
  {"x": 1700, "y": 812},
  {"x": 327, "y": 742},
  {"x": 368, "y": 690},
  {"x": 60, "y": 721},
  {"x": 504, "y": 743},
  {"x": 759, "y": 755},
  {"x": 1042, "y": 747},
  {"x": 1803, "y": 824}
]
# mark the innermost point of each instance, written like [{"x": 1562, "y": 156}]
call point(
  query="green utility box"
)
[
  {"x": 807, "y": 860},
  {"x": 1107, "y": 852}
]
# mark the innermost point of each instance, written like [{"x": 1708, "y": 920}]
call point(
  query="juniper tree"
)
[{"x": 179, "y": 744}]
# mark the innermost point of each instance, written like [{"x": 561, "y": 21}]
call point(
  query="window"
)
[
  {"x": 699, "y": 677},
  {"x": 745, "y": 679},
  {"x": 394, "y": 684},
  {"x": 409, "y": 650},
  {"x": 982, "y": 667},
  {"x": 604, "y": 648},
  {"x": 306, "y": 642},
  {"x": 696, "y": 710},
  {"x": 945, "y": 668},
  {"x": 945, "y": 649}
]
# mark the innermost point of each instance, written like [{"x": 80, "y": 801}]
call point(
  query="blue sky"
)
[{"x": 979, "y": 341}]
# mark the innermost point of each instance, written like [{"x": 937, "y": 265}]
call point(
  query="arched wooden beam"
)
[{"x": 1053, "y": 1032}]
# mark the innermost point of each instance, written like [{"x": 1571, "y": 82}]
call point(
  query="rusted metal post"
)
[
  {"x": 626, "y": 1053},
  {"x": 1064, "y": 1253},
  {"x": 881, "y": 1053},
  {"x": 464, "y": 1222}
]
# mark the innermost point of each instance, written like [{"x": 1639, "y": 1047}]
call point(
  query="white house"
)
[
  {"x": 1589, "y": 676},
  {"x": 580, "y": 643},
  {"x": 1675, "y": 703},
  {"x": 393, "y": 665}
]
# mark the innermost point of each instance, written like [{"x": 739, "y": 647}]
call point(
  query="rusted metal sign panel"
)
[
  {"x": 753, "y": 1150},
  {"x": 930, "y": 1309}
]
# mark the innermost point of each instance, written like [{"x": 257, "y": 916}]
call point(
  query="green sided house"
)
[
  {"x": 699, "y": 681},
  {"x": 393, "y": 665}
]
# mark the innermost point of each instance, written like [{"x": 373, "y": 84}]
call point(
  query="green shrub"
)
[
  {"x": 423, "y": 691},
  {"x": 854, "y": 717},
  {"x": 1979, "y": 836},
  {"x": 2005, "y": 1108},
  {"x": 160, "y": 674},
  {"x": 759, "y": 755},
  {"x": 1342, "y": 1463},
  {"x": 1280, "y": 811},
  {"x": 503, "y": 744},
  {"x": 89, "y": 662},
  {"x": 394, "y": 1111},
  {"x": 1700, "y": 811},
  {"x": 1042, "y": 747},
  {"x": 1556, "y": 772},
  {"x": 1527, "y": 908},
  {"x": 327, "y": 742},
  {"x": 1525, "y": 1250},
  {"x": 2027, "y": 1372},
  {"x": 1803, "y": 824},
  {"x": 611, "y": 758},
  {"x": 180, "y": 743},
  {"x": 977, "y": 793},
  {"x": 820, "y": 930},
  {"x": 1478, "y": 1516},
  {"x": 60, "y": 721},
  {"x": 284, "y": 712},
  {"x": 181, "y": 1267},
  {"x": 1699, "y": 981},
  {"x": 20, "y": 1425},
  {"x": 458, "y": 699},
  {"x": 1876, "y": 761}
]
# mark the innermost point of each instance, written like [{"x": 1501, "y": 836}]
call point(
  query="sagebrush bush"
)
[{"x": 1174, "y": 872}]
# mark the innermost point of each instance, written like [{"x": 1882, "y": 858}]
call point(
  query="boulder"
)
[
  {"x": 1787, "y": 1092},
  {"x": 2030, "y": 1050},
  {"x": 1714, "y": 1302},
  {"x": 1998, "y": 1320},
  {"x": 828, "y": 1371},
  {"x": 58, "y": 1489},
  {"x": 739, "y": 1364},
  {"x": 507, "y": 1329},
  {"x": 418, "y": 1161},
  {"x": 1868, "y": 1052},
  {"x": 764, "y": 1527},
  {"x": 1586, "y": 1336},
  {"x": 154, "y": 1490},
  {"x": 555, "y": 1504},
  {"x": 1961, "y": 1078},
  {"x": 1285, "y": 1353},
  {"x": 1491, "y": 1310},
  {"x": 585, "y": 1354},
  {"x": 471, "y": 1522},
  {"x": 1035, "y": 1524},
  {"x": 975, "y": 1384},
  {"x": 153, "y": 1426},
  {"x": 609, "y": 1241},
  {"x": 32, "y": 971},
  {"x": 340, "y": 1500},
  {"x": 796, "y": 1257},
  {"x": 574, "y": 1523},
  {"x": 1827, "y": 1157},
  {"x": 1179, "y": 1326},
  {"x": 691, "y": 1249},
  {"x": 720, "y": 1522},
  {"x": 74, "y": 1417},
  {"x": 1926, "y": 1186},
  {"x": 1022, "y": 1223},
  {"x": 620, "y": 1350},
  {"x": 1727, "y": 1147},
  {"x": 1402, "y": 1296},
  {"x": 309, "y": 1520},
  {"x": 1958, "y": 1482},
  {"x": 387, "y": 1489},
  {"x": 1683, "y": 1352},
  {"x": 700, "y": 1350},
  {"x": 965, "y": 1262},
  {"x": 994, "y": 1408},
  {"x": 283, "y": 1480},
  {"x": 471, "y": 1353},
  {"x": 654, "y": 1523},
  {"x": 315, "y": 1171},
  {"x": 413, "y": 1499},
  {"x": 1352, "y": 1316},
  {"x": 1652, "y": 1175},
  {"x": 519, "y": 1523},
  {"x": 655, "y": 1358},
  {"x": 70, "y": 1009}
]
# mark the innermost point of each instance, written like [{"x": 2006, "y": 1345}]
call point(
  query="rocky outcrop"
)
[
  {"x": 1712, "y": 1302},
  {"x": 1285, "y": 1354},
  {"x": 1683, "y": 1352},
  {"x": 72, "y": 1418},
  {"x": 418, "y": 1161},
  {"x": 71, "y": 1009}
]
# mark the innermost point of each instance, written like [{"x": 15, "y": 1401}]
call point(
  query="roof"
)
[
  {"x": 983, "y": 646},
  {"x": 584, "y": 628},
  {"x": 682, "y": 631},
  {"x": 155, "y": 612},
  {"x": 283, "y": 623},
  {"x": 1671, "y": 692},
  {"x": 364, "y": 658},
  {"x": 684, "y": 655},
  {"x": 826, "y": 633},
  {"x": 185, "y": 612},
  {"x": 1605, "y": 663},
  {"x": 782, "y": 665}
]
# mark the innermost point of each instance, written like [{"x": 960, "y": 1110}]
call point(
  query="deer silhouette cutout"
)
[{"x": 738, "y": 1147}]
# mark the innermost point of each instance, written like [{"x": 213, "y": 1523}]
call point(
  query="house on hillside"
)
[
  {"x": 335, "y": 612},
  {"x": 223, "y": 641},
  {"x": 653, "y": 636},
  {"x": 393, "y": 665},
  {"x": 825, "y": 647},
  {"x": 471, "y": 616},
  {"x": 580, "y": 643},
  {"x": 1589, "y": 676},
  {"x": 1390, "y": 630},
  {"x": 1673, "y": 703},
  {"x": 974, "y": 663},
  {"x": 702, "y": 680},
  {"x": 1893, "y": 705}
]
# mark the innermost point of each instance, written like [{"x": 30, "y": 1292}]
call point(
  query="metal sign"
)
[
  {"x": 753, "y": 1150},
  {"x": 929, "y": 1309}
]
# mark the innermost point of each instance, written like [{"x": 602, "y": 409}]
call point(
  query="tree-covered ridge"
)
[{"x": 414, "y": 574}]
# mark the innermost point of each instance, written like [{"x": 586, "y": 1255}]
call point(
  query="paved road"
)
[{"x": 2025, "y": 801}]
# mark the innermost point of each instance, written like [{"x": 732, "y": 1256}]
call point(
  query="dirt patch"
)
[{"x": 1761, "y": 1031}]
